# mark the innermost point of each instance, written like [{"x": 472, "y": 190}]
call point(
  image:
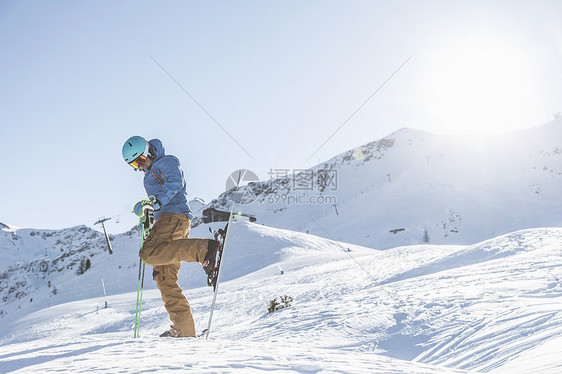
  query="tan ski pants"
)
[{"x": 166, "y": 246}]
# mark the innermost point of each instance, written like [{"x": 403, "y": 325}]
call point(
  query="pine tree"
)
[
  {"x": 83, "y": 266},
  {"x": 273, "y": 306},
  {"x": 425, "y": 236},
  {"x": 283, "y": 302}
]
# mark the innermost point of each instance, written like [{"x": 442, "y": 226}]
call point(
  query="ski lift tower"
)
[{"x": 102, "y": 220}]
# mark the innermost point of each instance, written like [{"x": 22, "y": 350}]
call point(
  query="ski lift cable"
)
[{"x": 361, "y": 106}]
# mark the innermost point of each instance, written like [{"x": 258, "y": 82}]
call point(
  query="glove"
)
[
  {"x": 141, "y": 206},
  {"x": 155, "y": 202}
]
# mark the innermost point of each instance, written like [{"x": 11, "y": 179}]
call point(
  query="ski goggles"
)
[{"x": 140, "y": 160}]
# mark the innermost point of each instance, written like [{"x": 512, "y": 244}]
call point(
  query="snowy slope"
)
[
  {"x": 426, "y": 299},
  {"x": 40, "y": 268},
  {"x": 413, "y": 187},
  {"x": 494, "y": 306}
]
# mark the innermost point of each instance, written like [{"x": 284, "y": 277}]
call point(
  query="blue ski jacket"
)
[{"x": 166, "y": 182}]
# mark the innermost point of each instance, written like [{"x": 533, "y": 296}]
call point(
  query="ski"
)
[
  {"x": 213, "y": 280},
  {"x": 219, "y": 236},
  {"x": 224, "y": 236}
]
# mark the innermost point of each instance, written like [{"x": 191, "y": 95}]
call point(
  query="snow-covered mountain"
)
[
  {"x": 40, "y": 268},
  {"x": 413, "y": 187}
]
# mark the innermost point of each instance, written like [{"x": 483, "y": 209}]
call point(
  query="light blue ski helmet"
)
[{"x": 136, "y": 147}]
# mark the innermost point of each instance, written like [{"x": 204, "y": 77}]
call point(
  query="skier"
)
[{"x": 168, "y": 244}]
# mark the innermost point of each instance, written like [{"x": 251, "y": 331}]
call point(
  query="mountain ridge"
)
[{"x": 414, "y": 187}]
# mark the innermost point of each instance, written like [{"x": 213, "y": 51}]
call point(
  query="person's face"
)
[{"x": 146, "y": 164}]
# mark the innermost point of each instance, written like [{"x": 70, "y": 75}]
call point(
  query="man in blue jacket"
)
[{"x": 168, "y": 244}]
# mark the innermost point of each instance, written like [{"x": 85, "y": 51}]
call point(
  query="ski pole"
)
[
  {"x": 147, "y": 220},
  {"x": 140, "y": 300},
  {"x": 140, "y": 286}
]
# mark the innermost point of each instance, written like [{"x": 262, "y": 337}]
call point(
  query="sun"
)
[{"x": 479, "y": 86}]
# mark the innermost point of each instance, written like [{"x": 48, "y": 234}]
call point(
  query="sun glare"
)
[{"x": 479, "y": 87}]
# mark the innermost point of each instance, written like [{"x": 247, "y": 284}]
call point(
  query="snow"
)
[
  {"x": 440, "y": 255},
  {"x": 414, "y": 309}
]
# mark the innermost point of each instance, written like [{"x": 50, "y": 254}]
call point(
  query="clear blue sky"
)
[{"x": 77, "y": 79}]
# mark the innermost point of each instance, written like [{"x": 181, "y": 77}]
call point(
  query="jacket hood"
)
[{"x": 159, "y": 151}]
